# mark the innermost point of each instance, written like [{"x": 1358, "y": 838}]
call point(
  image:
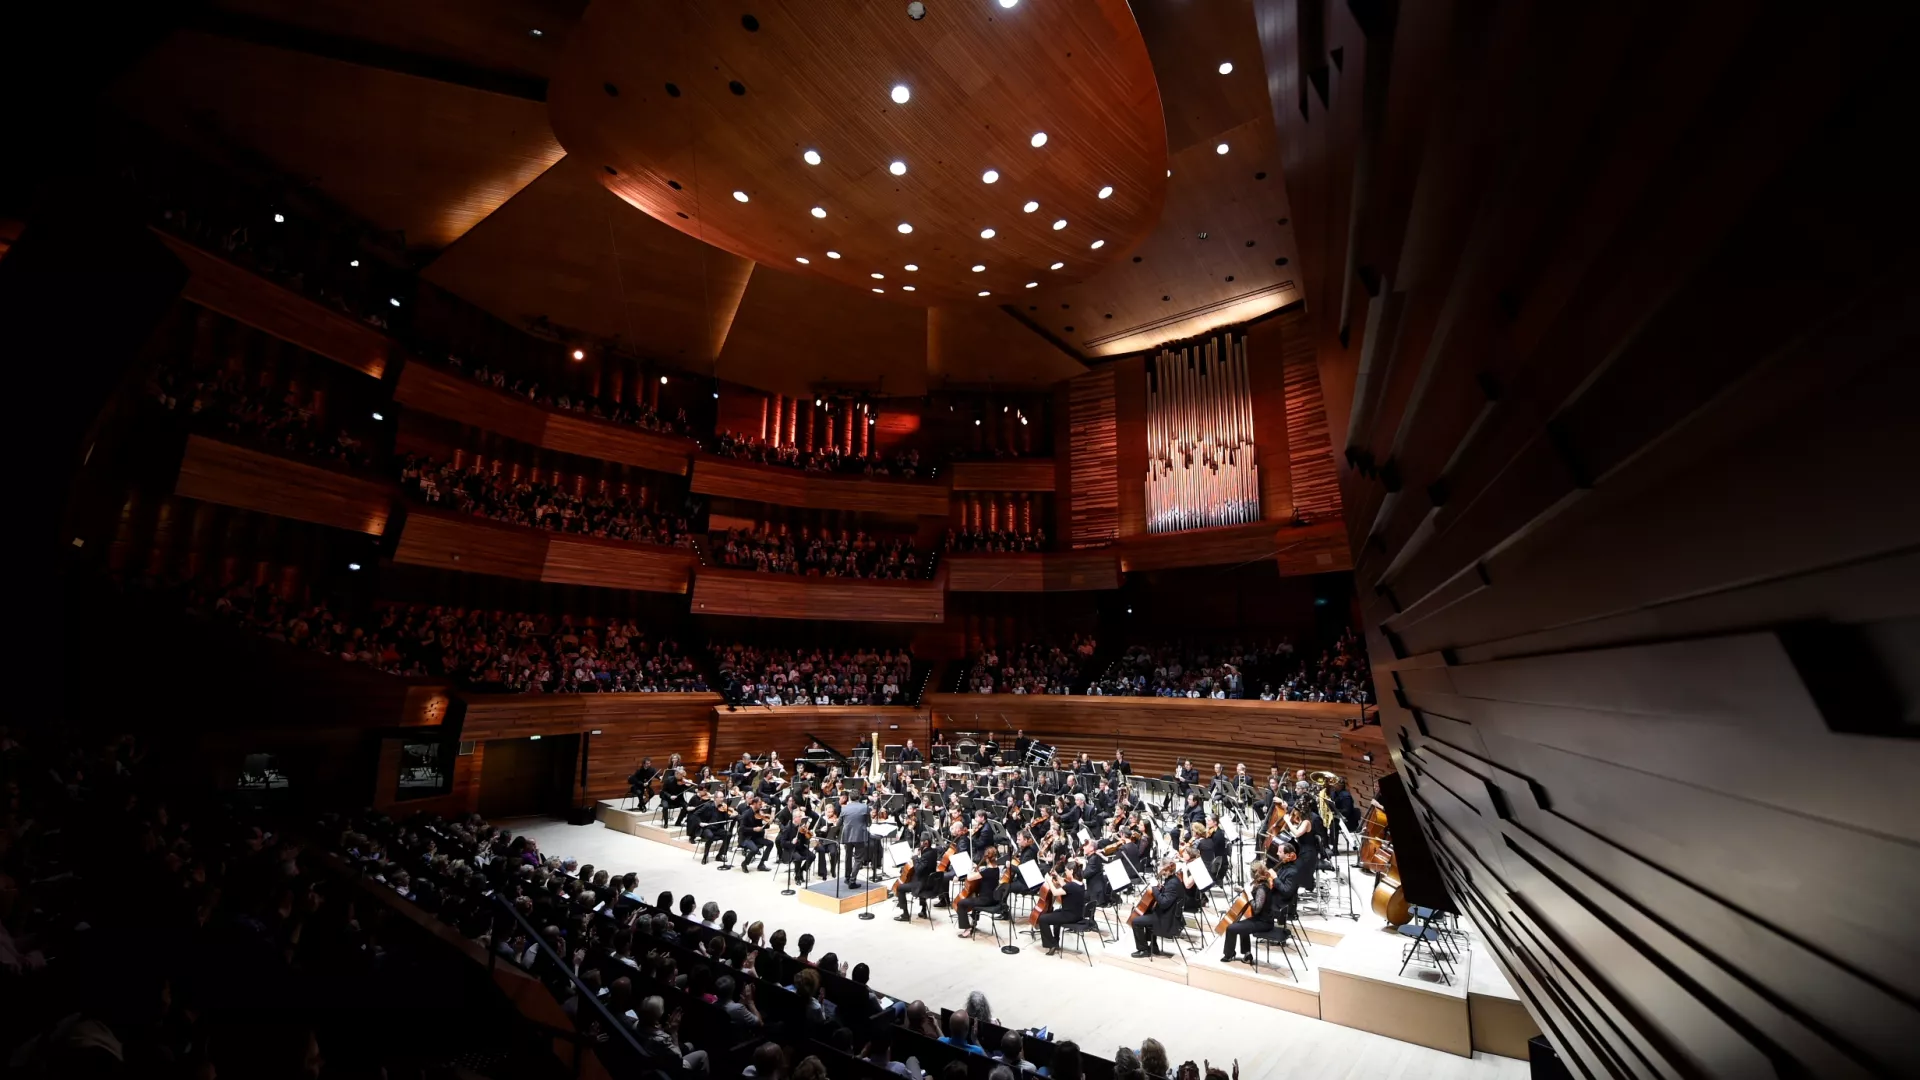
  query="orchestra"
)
[{"x": 1068, "y": 840}]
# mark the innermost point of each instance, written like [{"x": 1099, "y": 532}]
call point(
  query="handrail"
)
[{"x": 582, "y": 991}]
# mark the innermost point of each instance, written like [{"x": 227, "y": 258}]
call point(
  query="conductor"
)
[{"x": 854, "y": 834}]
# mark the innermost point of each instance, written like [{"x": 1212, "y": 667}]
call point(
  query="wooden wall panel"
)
[
  {"x": 239, "y": 294},
  {"x": 459, "y": 542},
  {"x": 612, "y": 564},
  {"x": 793, "y": 487},
  {"x": 1093, "y": 513},
  {"x": 612, "y": 442},
  {"x": 755, "y": 730},
  {"x": 1052, "y": 571},
  {"x": 1130, "y": 445},
  {"x": 1022, "y": 474},
  {"x": 456, "y": 397},
  {"x": 794, "y": 596},
  {"x": 631, "y": 727},
  {"x": 1314, "y": 486},
  {"x": 1155, "y": 732},
  {"x": 1267, "y": 351},
  {"x": 1639, "y": 580},
  {"x": 1224, "y": 546},
  {"x": 232, "y": 475}
]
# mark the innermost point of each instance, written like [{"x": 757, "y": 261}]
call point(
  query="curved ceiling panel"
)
[{"x": 685, "y": 105}]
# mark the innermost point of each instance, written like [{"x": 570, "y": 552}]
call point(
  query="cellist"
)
[
  {"x": 1258, "y": 918},
  {"x": 1069, "y": 898}
]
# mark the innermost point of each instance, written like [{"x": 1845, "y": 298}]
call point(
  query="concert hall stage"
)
[
  {"x": 1344, "y": 1012},
  {"x": 836, "y": 896}
]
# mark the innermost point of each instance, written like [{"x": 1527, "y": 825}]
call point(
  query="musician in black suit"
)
[
  {"x": 1121, "y": 766},
  {"x": 1135, "y": 852},
  {"x": 910, "y": 752},
  {"x": 1074, "y": 815},
  {"x": 1169, "y": 901},
  {"x": 741, "y": 768},
  {"x": 710, "y": 823},
  {"x": 1187, "y": 775},
  {"x": 979, "y": 836},
  {"x": 1084, "y": 767},
  {"x": 826, "y": 841},
  {"x": 1069, "y": 907},
  {"x": 790, "y": 845},
  {"x": 854, "y": 834},
  {"x": 1094, "y": 877},
  {"x": 642, "y": 776},
  {"x": 1020, "y": 744},
  {"x": 1288, "y": 880},
  {"x": 753, "y": 835},
  {"x": 1258, "y": 918},
  {"x": 927, "y": 881},
  {"x": 986, "y": 892}
]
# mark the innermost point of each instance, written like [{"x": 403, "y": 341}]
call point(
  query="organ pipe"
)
[{"x": 1202, "y": 466}]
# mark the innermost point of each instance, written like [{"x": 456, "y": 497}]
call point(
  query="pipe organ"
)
[{"x": 1202, "y": 469}]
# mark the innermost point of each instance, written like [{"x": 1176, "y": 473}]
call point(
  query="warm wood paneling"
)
[
  {"x": 458, "y": 398},
  {"x": 1227, "y": 545},
  {"x": 1267, "y": 345},
  {"x": 792, "y": 487},
  {"x": 453, "y": 541},
  {"x": 755, "y": 730},
  {"x": 1093, "y": 512},
  {"x": 1051, "y": 571},
  {"x": 241, "y": 295},
  {"x": 1130, "y": 445},
  {"x": 630, "y": 726},
  {"x": 1315, "y": 485},
  {"x": 232, "y": 475},
  {"x": 795, "y": 596},
  {"x": 1019, "y": 474},
  {"x": 1154, "y": 732}
]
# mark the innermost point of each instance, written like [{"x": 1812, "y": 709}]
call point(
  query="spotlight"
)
[
  {"x": 897, "y": 168},
  {"x": 377, "y": 416},
  {"x": 1056, "y": 266},
  {"x": 353, "y": 566},
  {"x": 1060, "y": 224},
  {"x": 904, "y": 228},
  {"x": 1039, "y": 140},
  {"x": 533, "y": 738},
  {"x": 1226, "y": 67},
  {"x": 354, "y": 263},
  {"x": 901, "y": 94},
  {"x": 1032, "y": 205},
  {"x": 1106, "y": 192},
  {"x": 811, "y": 157},
  {"x": 739, "y": 196},
  {"x": 395, "y": 302},
  {"x": 1129, "y": 611},
  {"x": 1023, "y": 421},
  {"x": 818, "y": 212},
  {"x": 279, "y": 219},
  {"x": 986, "y": 234},
  {"x": 579, "y": 354},
  {"x": 1221, "y": 149},
  {"x": 976, "y": 421},
  {"x": 716, "y": 395},
  {"x": 1367, "y": 757},
  {"x": 990, "y": 176},
  {"x": 816, "y": 403},
  {"x": 663, "y": 380}
]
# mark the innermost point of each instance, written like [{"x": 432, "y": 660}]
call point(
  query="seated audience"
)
[
  {"x": 758, "y": 676},
  {"x": 996, "y": 541},
  {"x": 1030, "y": 668},
  {"x": 1234, "y": 669},
  {"x": 625, "y": 413},
  {"x": 822, "y": 554},
  {"x": 225, "y": 403},
  {"x": 903, "y": 464},
  {"x": 482, "y": 492}
]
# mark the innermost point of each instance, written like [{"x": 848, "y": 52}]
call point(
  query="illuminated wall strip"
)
[{"x": 1202, "y": 466}]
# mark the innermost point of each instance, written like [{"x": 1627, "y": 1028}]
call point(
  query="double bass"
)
[{"x": 1377, "y": 858}]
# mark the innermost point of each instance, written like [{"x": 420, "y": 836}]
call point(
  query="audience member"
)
[
  {"x": 226, "y": 403},
  {"x": 822, "y": 554},
  {"x": 903, "y": 464},
  {"x": 996, "y": 541},
  {"x": 1030, "y": 668},
  {"x": 758, "y": 676},
  {"x": 481, "y": 491}
]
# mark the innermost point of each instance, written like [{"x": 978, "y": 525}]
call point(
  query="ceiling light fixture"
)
[
  {"x": 904, "y": 228},
  {"x": 1098, "y": 244},
  {"x": 1032, "y": 205},
  {"x": 1009, "y": 3},
  {"x": 1039, "y": 140},
  {"x": 833, "y": 254},
  {"x": 1106, "y": 192},
  {"x": 977, "y": 267},
  {"x": 279, "y": 219},
  {"x": 579, "y": 354},
  {"x": 1033, "y": 284},
  {"x": 912, "y": 266},
  {"x": 811, "y": 157},
  {"x": 1061, "y": 224},
  {"x": 986, "y": 234},
  {"x": 739, "y": 196},
  {"x": 1056, "y": 266},
  {"x": 355, "y": 262},
  {"x": 906, "y": 288},
  {"x": 663, "y": 380},
  {"x": 816, "y": 403},
  {"x": 536, "y": 33},
  {"x": 803, "y": 260},
  {"x": 377, "y": 416},
  {"x": 1226, "y": 67},
  {"x": 901, "y": 94},
  {"x": 878, "y": 276},
  {"x": 984, "y": 292},
  {"x": 897, "y": 168},
  {"x": 353, "y": 566},
  {"x": 990, "y": 176},
  {"x": 880, "y": 290},
  {"x": 818, "y": 212},
  {"x": 1221, "y": 149},
  {"x": 393, "y": 301}
]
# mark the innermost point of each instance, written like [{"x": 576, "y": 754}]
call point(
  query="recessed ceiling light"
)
[
  {"x": 811, "y": 157},
  {"x": 904, "y": 227},
  {"x": 1169, "y": 173},
  {"x": 355, "y": 262},
  {"x": 906, "y": 288},
  {"x": 739, "y": 196},
  {"x": 977, "y": 267},
  {"x": 393, "y": 301},
  {"x": 1098, "y": 244},
  {"x": 1033, "y": 284},
  {"x": 1226, "y": 67},
  {"x": 1032, "y": 205},
  {"x": 878, "y": 276},
  {"x": 1009, "y": 3},
  {"x": 900, "y": 94},
  {"x": 536, "y": 33},
  {"x": 377, "y": 416},
  {"x": 803, "y": 260},
  {"x": 1221, "y": 149},
  {"x": 897, "y": 168},
  {"x": 818, "y": 211},
  {"x": 1039, "y": 140},
  {"x": 986, "y": 234},
  {"x": 1056, "y": 266},
  {"x": 990, "y": 176},
  {"x": 279, "y": 219},
  {"x": 1061, "y": 224},
  {"x": 1106, "y": 192},
  {"x": 880, "y": 290},
  {"x": 353, "y": 566},
  {"x": 833, "y": 254},
  {"x": 579, "y": 354},
  {"x": 913, "y": 266}
]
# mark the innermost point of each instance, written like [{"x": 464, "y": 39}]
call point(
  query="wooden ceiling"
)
[
  {"x": 432, "y": 118},
  {"x": 692, "y": 106}
]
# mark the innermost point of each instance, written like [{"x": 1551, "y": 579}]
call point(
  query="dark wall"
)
[{"x": 1618, "y": 333}]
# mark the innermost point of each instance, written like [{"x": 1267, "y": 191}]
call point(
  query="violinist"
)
[
  {"x": 641, "y": 778},
  {"x": 791, "y": 842},
  {"x": 981, "y": 891},
  {"x": 753, "y": 834},
  {"x": 673, "y": 791},
  {"x": 1026, "y": 851},
  {"x": 1257, "y": 919},
  {"x": 1075, "y": 813},
  {"x": 979, "y": 836},
  {"x": 1069, "y": 897},
  {"x": 1195, "y": 814},
  {"x": 926, "y": 882},
  {"x": 1042, "y": 822},
  {"x": 826, "y": 841},
  {"x": 1212, "y": 847},
  {"x": 1136, "y": 851},
  {"x": 1162, "y": 916},
  {"x": 710, "y": 823},
  {"x": 1016, "y": 820},
  {"x": 1099, "y": 889},
  {"x": 741, "y": 769}
]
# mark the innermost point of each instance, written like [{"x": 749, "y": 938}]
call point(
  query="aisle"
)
[{"x": 1100, "y": 1007}]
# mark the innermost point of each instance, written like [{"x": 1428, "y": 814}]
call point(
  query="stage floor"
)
[{"x": 1101, "y": 1007}]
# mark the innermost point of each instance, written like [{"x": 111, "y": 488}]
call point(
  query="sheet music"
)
[
  {"x": 899, "y": 854},
  {"x": 1197, "y": 869},
  {"x": 1084, "y": 835},
  {"x": 961, "y": 864},
  {"x": 1030, "y": 873},
  {"x": 1117, "y": 875},
  {"x": 1228, "y": 829}
]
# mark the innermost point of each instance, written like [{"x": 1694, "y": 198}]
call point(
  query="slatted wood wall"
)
[
  {"x": 1315, "y": 486},
  {"x": 1094, "y": 517}
]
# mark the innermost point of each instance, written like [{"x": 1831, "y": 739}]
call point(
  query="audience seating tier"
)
[
  {"x": 726, "y": 478},
  {"x": 1064, "y": 571},
  {"x": 452, "y": 541},
  {"x": 231, "y": 475},
  {"x": 794, "y": 596},
  {"x": 1019, "y": 474},
  {"x": 1155, "y": 732},
  {"x": 240, "y": 294},
  {"x": 455, "y": 397}
]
